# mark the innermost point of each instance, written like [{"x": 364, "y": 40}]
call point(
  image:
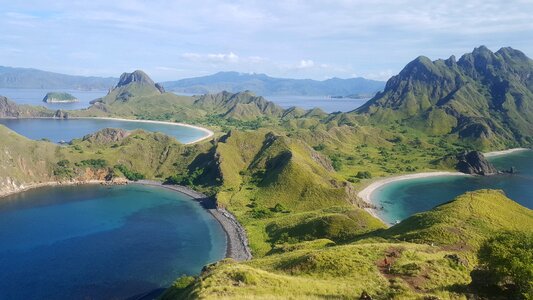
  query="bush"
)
[
  {"x": 363, "y": 175},
  {"x": 130, "y": 175},
  {"x": 509, "y": 259},
  {"x": 279, "y": 208},
  {"x": 93, "y": 163}
]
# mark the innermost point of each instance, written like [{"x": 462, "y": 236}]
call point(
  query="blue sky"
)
[{"x": 297, "y": 39}]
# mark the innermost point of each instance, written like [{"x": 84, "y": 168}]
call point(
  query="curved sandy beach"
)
[
  {"x": 366, "y": 193},
  {"x": 207, "y": 131},
  {"x": 504, "y": 152}
]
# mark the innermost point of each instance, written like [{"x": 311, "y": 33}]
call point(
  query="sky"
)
[{"x": 295, "y": 39}]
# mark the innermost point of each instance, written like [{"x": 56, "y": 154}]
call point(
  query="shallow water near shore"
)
[
  {"x": 57, "y": 130},
  {"x": 402, "y": 199},
  {"x": 102, "y": 242}
]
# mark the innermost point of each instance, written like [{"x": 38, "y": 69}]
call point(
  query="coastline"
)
[
  {"x": 57, "y": 183},
  {"x": 504, "y": 152},
  {"x": 207, "y": 131},
  {"x": 366, "y": 193},
  {"x": 237, "y": 241}
]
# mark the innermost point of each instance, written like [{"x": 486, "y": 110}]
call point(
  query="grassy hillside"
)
[
  {"x": 274, "y": 184},
  {"x": 465, "y": 222},
  {"x": 379, "y": 264}
]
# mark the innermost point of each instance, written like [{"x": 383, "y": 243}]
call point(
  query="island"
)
[{"x": 59, "y": 97}]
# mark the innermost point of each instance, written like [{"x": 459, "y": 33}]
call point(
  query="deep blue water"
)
[
  {"x": 99, "y": 242},
  {"x": 403, "y": 198},
  {"x": 35, "y": 97},
  {"x": 66, "y": 130}
]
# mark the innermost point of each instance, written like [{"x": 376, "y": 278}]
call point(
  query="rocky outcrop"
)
[
  {"x": 61, "y": 114},
  {"x": 8, "y": 109},
  {"x": 137, "y": 76},
  {"x": 107, "y": 136},
  {"x": 474, "y": 162}
]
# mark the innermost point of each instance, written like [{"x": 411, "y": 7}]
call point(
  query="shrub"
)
[
  {"x": 93, "y": 163},
  {"x": 363, "y": 175},
  {"x": 130, "y": 175},
  {"x": 509, "y": 259}
]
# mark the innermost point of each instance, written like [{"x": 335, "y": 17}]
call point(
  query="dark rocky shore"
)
[{"x": 237, "y": 242}]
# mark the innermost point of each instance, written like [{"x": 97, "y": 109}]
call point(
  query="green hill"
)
[
  {"x": 465, "y": 222},
  {"x": 418, "y": 270},
  {"x": 484, "y": 97},
  {"x": 137, "y": 95}
]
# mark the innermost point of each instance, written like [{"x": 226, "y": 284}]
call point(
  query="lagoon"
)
[
  {"x": 57, "y": 130},
  {"x": 102, "y": 242},
  {"x": 402, "y": 199}
]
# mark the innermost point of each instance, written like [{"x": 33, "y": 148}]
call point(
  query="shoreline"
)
[
  {"x": 366, "y": 193},
  {"x": 237, "y": 241},
  {"x": 504, "y": 152},
  {"x": 58, "y": 183},
  {"x": 209, "y": 132}
]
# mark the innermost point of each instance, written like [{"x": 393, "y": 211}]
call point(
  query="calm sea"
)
[
  {"x": 65, "y": 130},
  {"x": 102, "y": 242},
  {"x": 403, "y": 198},
  {"x": 35, "y": 97}
]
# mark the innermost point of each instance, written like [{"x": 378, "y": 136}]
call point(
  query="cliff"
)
[{"x": 474, "y": 162}]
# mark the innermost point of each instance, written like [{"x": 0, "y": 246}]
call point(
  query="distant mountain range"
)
[
  {"x": 24, "y": 78},
  {"x": 264, "y": 85},
  {"x": 234, "y": 82}
]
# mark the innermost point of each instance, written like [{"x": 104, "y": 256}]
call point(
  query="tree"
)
[{"x": 508, "y": 258}]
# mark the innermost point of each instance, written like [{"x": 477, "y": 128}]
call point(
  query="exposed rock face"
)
[
  {"x": 107, "y": 135},
  {"x": 61, "y": 114},
  {"x": 8, "y": 109},
  {"x": 137, "y": 76},
  {"x": 474, "y": 163},
  {"x": 160, "y": 88}
]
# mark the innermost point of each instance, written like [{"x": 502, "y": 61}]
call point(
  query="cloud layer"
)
[{"x": 291, "y": 38}]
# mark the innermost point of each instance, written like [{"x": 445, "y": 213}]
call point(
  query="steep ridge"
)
[{"x": 485, "y": 97}]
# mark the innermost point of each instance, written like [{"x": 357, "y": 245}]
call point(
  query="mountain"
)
[
  {"x": 24, "y": 78},
  {"x": 264, "y": 85},
  {"x": 484, "y": 97},
  {"x": 136, "y": 94}
]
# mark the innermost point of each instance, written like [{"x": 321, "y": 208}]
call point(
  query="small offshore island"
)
[
  {"x": 59, "y": 97},
  {"x": 288, "y": 183}
]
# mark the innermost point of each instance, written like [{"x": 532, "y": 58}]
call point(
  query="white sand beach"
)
[
  {"x": 504, "y": 152},
  {"x": 207, "y": 131},
  {"x": 366, "y": 193}
]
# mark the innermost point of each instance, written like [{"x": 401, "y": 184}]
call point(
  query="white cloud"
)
[
  {"x": 212, "y": 58},
  {"x": 304, "y": 64}
]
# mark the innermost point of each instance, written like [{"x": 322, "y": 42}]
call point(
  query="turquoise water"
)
[
  {"x": 65, "y": 130},
  {"x": 403, "y": 198},
  {"x": 100, "y": 242}
]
